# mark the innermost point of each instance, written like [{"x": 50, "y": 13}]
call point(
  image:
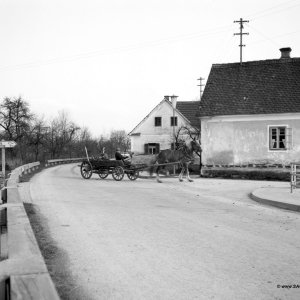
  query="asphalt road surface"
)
[{"x": 145, "y": 240}]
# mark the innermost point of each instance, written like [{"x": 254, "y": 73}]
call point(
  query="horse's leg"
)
[
  {"x": 157, "y": 175},
  {"x": 181, "y": 173},
  {"x": 188, "y": 173}
]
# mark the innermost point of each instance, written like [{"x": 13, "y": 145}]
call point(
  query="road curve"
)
[{"x": 144, "y": 240}]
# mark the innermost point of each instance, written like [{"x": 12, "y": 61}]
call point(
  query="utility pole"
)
[
  {"x": 241, "y": 33},
  {"x": 201, "y": 85}
]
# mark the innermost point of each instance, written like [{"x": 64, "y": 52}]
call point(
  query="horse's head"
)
[{"x": 196, "y": 147}]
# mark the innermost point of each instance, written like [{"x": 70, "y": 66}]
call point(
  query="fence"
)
[
  {"x": 23, "y": 273},
  {"x": 295, "y": 176}
]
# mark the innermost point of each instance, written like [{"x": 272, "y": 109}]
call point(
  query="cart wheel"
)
[
  {"x": 118, "y": 173},
  {"x": 133, "y": 175},
  {"x": 86, "y": 170},
  {"x": 103, "y": 173}
]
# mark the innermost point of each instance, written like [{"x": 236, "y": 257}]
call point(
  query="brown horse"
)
[{"x": 183, "y": 155}]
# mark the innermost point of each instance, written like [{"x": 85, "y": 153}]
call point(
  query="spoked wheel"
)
[
  {"x": 133, "y": 175},
  {"x": 118, "y": 173},
  {"x": 103, "y": 173},
  {"x": 86, "y": 170}
]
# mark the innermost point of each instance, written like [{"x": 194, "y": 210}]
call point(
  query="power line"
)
[
  {"x": 276, "y": 36},
  {"x": 266, "y": 37},
  {"x": 221, "y": 51},
  {"x": 161, "y": 42},
  {"x": 268, "y": 11},
  {"x": 241, "y": 33},
  {"x": 133, "y": 47}
]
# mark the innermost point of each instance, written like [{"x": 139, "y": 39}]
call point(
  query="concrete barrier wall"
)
[{"x": 23, "y": 273}]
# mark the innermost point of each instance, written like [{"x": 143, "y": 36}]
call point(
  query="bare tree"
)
[
  {"x": 37, "y": 137},
  {"x": 185, "y": 132},
  {"x": 61, "y": 135},
  {"x": 15, "y": 120},
  {"x": 120, "y": 139},
  {"x": 15, "y": 117}
]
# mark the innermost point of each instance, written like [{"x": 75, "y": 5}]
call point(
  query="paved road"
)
[{"x": 144, "y": 240}]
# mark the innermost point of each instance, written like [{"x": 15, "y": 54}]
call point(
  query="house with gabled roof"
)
[
  {"x": 250, "y": 112},
  {"x": 155, "y": 131}
]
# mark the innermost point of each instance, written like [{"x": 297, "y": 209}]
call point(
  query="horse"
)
[{"x": 183, "y": 155}]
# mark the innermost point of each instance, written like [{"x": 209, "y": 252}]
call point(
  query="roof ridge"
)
[
  {"x": 258, "y": 62},
  {"x": 188, "y": 101}
]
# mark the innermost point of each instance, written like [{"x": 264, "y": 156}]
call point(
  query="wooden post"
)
[
  {"x": 3, "y": 145},
  {"x": 3, "y": 162}
]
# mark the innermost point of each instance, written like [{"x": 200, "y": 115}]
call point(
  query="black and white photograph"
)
[{"x": 149, "y": 150}]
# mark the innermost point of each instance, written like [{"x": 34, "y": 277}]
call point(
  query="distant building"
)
[
  {"x": 250, "y": 112},
  {"x": 155, "y": 131}
]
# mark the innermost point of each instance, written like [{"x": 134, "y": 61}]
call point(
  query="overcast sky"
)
[{"x": 109, "y": 63}]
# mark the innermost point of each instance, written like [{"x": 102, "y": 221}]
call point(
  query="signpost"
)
[{"x": 3, "y": 145}]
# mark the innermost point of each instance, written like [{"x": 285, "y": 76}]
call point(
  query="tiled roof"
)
[
  {"x": 189, "y": 109},
  {"x": 257, "y": 87}
]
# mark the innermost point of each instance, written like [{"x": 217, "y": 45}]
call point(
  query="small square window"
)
[
  {"x": 278, "y": 138},
  {"x": 173, "y": 121},
  {"x": 157, "y": 121}
]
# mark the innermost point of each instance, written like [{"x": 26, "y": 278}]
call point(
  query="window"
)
[
  {"x": 157, "y": 121},
  {"x": 279, "y": 137},
  {"x": 151, "y": 148},
  {"x": 172, "y": 121}
]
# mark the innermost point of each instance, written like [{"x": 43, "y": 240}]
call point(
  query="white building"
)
[
  {"x": 250, "y": 113},
  {"x": 155, "y": 131}
]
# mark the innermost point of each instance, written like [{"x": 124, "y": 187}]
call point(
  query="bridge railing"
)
[
  {"x": 23, "y": 273},
  {"x": 52, "y": 162},
  {"x": 295, "y": 176}
]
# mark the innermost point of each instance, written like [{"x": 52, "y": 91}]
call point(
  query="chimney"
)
[{"x": 285, "y": 52}]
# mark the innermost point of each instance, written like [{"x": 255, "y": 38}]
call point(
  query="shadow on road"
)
[{"x": 56, "y": 259}]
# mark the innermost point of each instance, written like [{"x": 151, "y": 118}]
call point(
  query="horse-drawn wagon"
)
[
  {"x": 104, "y": 167},
  {"x": 117, "y": 168}
]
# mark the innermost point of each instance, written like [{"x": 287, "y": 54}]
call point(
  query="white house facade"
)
[
  {"x": 251, "y": 139},
  {"x": 250, "y": 113},
  {"x": 155, "y": 131}
]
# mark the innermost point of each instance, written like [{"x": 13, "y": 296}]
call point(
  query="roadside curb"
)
[
  {"x": 166, "y": 176},
  {"x": 267, "y": 201}
]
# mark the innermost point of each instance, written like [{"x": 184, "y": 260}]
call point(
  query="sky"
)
[{"x": 109, "y": 63}]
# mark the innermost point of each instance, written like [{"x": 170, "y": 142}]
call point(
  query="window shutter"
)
[
  {"x": 272, "y": 138},
  {"x": 289, "y": 138},
  {"x": 157, "y": 148},
  {"x": 146, "y": 147}
]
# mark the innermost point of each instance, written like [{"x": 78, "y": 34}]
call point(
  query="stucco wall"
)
[
  {"x": 227, "y": 142},
  {"x": 138, "y": 142},
  {"x": 152, "y": 134}
]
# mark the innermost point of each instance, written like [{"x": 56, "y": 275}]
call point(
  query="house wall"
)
[
  {"x": 148, "y": 133},
  {"x": 245, "y": 140},
  {"x": 138, "y": 142}
]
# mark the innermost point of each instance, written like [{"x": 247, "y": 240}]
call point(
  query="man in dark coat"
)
[{"x": 119, "y": 156}]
